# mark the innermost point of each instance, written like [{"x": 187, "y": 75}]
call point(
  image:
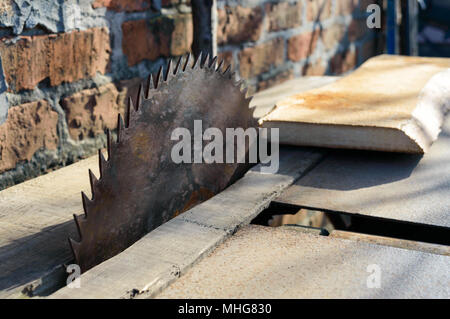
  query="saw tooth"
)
[
  {"x": 149, "y": 86},
  {"x": 169, "y": 66},
  {"x": 108, "y": 142},
  {"x": 227, "y": 70},
  {"x": 204, "y": 61},
  {"x": 101, "y": 163},
  {"x": 212, "y": 63},
  {"x": 139, "y": 97},
  {"x": 120, "y": 128},
  {"x": 219, "y": 67},
  {"x": 177, "y": 67},
  {"x": 197, "y": 61},
  {"x": 80, "y": 222},
  {"x": 75, "y": 247},
  {"x": 244, "y": 91},
  {"x": 130, "y": 108},
  {"x": 186, "y": 63},
  {"x": 93, "y": 180},
  {"x": 158, "y": 77},
  {"x": 86, "y": 203}
]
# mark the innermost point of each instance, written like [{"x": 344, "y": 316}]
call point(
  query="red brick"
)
[
  {"x": 318, "y": 10},
  {"x": 277, "y": 79},
  {"x": 284, "y": 15},
  {"x": 64, "y": 57},
  {"x": 343, "y": 62},
  {"x": 303, "y": 45},
  {"x": 227, "y": 57},
  {"x": 346, "y": 7},
  {"x": 169, "y": 35},
  {"x": 314, "y": 68},
  {"x": 90, "y": 112},
  {"x": 239, "y": 24},
  {"x": 332, "y": 36},
  {"x": 123, "y": 5},
  {"x": 28, "y": 128},
  {"x": 259, "y": 59}
]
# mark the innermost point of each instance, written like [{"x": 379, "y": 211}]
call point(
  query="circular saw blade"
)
[{"x": 140, "y": 186}]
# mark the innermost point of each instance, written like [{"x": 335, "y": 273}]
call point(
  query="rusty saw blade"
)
[{"x": 140, "y": 187}]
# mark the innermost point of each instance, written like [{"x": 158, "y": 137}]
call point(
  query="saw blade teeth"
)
[
  {"x": 128, "y": 111},
  {"x": 227, "y": 70},
  {"x": 149, "y": 86},
  {"x": 79, "y": 223},
  {"x": 177, "y": 66},
  {"x": 108, "y": 142},
  {"x": 212, "y": 64},
  {"x": 101, "y": 163},
  {"x": 158, "y": 77},
  {"x": 169, "y": 67},
  {"x": 204, "y": 61},
  {"x": 139, "y": 98},
  {"x": 93, "y": 180},
  {"x": 75, "y": 247},
  {"x": 197, "y": 61},
  {"x": 120, "y": 128},
  {"x": 219, "y": 67},
  {"x": 86, "y": 203},
  {"x": 186, "y": 63}
]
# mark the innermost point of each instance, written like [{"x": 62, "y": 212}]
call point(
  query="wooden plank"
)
[
  {"x": 402, "y": 187},
  {"x": 391, "y": 103},
  {"x": 36, "y": 218},
  {"x": 266, "y": 262},
  {"x": 264, "y": 101}
]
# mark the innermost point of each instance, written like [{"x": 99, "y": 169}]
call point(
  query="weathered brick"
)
[
  {"x": 259, "y": 59},
  {"x": 318, "y": 10},
  {"x": 169, "y": 35},
  {"x": 64, "y": 57},
  {"x": 346, "y": 7},
  {"x": 314, "y": 68},
  {"x": 277, "y": 79},
  {"x": 90, "y": 112},
  {"x": 332, "y": 36},
  {"x": 28, "y": 128},
  {"x": 343, "y": 62},
  {"x": 227, "y": 57},
  {"x": 303, "y": 45},
  {"x": 123, "y": 5},
  {"x": 284, "y": 15},
  {"x": 239, "y": 24}
]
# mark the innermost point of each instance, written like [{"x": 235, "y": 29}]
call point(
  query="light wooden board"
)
[
  {"x": 36, "y": 218},
  {"x": 391, "y": 103},
  {"x": 265, "y": 262}
]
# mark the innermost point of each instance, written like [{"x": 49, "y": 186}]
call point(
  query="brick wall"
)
[
  {"x": 271, "y": 41},
  {"x": 68, "y": 66}
]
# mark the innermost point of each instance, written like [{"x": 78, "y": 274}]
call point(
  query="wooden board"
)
[
  {"x": 403, "y": 187},
  {"x": 36, "y": 218},
  {"x": 265, "y": 262},
  {"x": 391, "y": 103}
]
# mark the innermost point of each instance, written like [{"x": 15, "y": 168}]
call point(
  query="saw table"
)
[{"x": 216, "y": 250}]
